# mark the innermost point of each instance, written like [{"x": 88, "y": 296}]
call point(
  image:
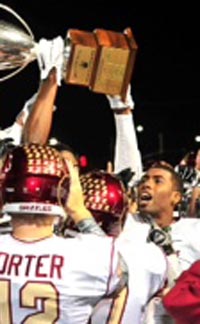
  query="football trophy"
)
[{"x": 102, "y": 60}]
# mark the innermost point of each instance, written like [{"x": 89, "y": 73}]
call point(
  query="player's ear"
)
[{"x": 176, "y": 198}]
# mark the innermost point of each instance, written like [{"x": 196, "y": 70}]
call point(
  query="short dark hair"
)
[{"x": 175, "y": 176}]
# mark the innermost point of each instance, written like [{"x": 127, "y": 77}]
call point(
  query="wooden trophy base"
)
[{"x": 101, "y": 60}]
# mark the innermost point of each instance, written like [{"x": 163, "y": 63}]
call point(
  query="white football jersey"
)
[
  {"x": 14, "y": 132},
  {"x": 185, "y": 236},
  {"x": 55, "y": 280},
  {"x": 147, "y": 267}
]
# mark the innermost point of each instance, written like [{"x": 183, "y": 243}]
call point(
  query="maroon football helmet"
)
[
  {"x": 36, "y": 181},
  {"x": 105, "y": 196}
]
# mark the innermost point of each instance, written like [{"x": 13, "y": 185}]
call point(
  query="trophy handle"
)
[{"x": 25, "y": 25}]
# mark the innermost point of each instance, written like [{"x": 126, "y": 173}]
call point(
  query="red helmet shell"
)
[
  {"x": 104, "y": 193},
  {"x": 36, "y": 181}
]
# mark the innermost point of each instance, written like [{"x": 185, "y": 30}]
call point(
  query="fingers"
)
[
  {"x": 73, "y": 175},
  {"x": 116, "y": 101},
  {"x": 109, "y": 167},
  {"x": 50, "y": 54}
]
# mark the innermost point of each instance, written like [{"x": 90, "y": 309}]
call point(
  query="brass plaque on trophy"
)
[
  {"x": 83, "y": 51},
  {"x": 102, "y": 60}
]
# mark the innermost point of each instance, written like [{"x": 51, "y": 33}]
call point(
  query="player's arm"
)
[
  {"x": 50, "y": 60},
  {"x": 85, "y": 222},
  {"x": 38, "y": 125},
  {"x": 14, "y": 132},
  {"x": 127, "y": 154},
  {"x": 75, "y": 206}
]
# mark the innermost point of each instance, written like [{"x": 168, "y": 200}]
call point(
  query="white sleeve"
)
[
  {"x": 127, "y": 154},
  {"x": 14, "y": 132}
]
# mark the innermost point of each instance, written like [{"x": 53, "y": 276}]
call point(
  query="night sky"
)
[{"x": 165, "y": 82}]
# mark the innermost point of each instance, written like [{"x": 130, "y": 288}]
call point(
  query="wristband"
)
[{"x": 89, "y": 225}]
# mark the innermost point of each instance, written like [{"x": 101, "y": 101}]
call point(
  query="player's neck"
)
[
  {"x": 32, "y": 232},
  {"x": 164, "y": 219}
]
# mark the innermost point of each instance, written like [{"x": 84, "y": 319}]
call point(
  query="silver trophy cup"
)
[{"x": 17, "y": 46}]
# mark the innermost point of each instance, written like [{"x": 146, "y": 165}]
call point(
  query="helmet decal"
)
[{"x": 104, "y": 193}]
